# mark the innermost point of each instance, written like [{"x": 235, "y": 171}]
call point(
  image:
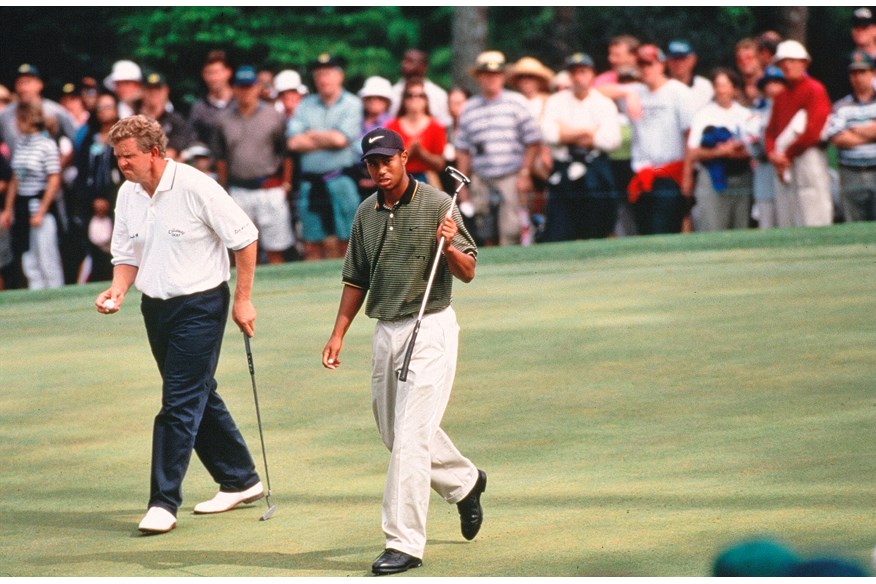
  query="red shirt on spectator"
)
[
  {"x": 433, "y": 139},
  {"x": 809, "y": 95}
]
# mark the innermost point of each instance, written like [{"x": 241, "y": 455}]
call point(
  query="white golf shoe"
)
[
  {"x": 226, "y": 501},
  {"x": 157, "y": 520}
]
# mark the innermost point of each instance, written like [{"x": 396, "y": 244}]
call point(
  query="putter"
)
[
  {"x": 463, "y": 180},
  {"x": 271, "y": 508}
]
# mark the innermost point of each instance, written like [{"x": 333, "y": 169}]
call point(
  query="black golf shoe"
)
[
  {"x": 471, "y": 514},
  {"x": 394, "y": 562}
]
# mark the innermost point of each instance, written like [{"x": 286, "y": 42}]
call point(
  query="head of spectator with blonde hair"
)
[
  {"x": 29, "y": 118},
  {"x": 747, "y": 62}
]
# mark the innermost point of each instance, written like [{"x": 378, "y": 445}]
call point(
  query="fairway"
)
[{"x": 638, "y": 403}]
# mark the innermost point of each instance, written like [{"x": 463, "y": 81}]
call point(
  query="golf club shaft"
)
[
  {"x": 403, "y": 372},
  {"x": 255, "y": 395}
]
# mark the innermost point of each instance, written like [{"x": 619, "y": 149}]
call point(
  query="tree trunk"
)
[
  {"x": 469, "y": 38},
  {"x": 793, "y": 22},
  {"x": 564, "y": 40}
]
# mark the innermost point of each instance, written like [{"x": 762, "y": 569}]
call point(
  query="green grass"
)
[{"x": 639, "y": 404}]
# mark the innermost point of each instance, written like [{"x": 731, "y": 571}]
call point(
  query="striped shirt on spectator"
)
[
  {"x": 848, "y": 113},
  {"x": 36, "y": 157},
  {"x": 496, "y": 133}
]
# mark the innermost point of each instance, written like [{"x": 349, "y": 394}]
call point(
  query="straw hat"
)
[{"x": 532, "y": 67}]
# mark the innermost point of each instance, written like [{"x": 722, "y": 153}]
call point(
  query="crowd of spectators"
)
[{"x": 650, "y": 146}]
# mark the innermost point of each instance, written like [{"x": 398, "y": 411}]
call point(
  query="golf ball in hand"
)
[{"x": 109, "y": 304}]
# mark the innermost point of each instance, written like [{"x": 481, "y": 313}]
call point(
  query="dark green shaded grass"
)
[{"x": 638, "y": 404}]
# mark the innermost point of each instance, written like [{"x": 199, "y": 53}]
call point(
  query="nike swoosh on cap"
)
[{"x": 373, "y": 138}]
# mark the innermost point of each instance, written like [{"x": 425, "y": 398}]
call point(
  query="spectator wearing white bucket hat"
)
[
  {"x": 290, "y": 90},
  {"x": 803, "y": 196},
  {"x": 126, "y": 81},
  {"x": 376, "y": 95}
]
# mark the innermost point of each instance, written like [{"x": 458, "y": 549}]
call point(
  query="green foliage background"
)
[{"x": 66, "y": 43}]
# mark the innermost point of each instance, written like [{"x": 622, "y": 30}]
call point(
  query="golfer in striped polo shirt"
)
[{"x": 394, "y": 236}]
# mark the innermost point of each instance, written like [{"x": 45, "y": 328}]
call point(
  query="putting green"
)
[{"x": 639, "y": 404}]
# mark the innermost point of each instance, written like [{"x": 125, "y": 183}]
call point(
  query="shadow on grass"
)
[
  {"x": 119, "y": 520},
  {"x": 183, "y": 561}
]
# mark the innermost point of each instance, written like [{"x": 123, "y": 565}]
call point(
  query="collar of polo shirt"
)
[{"x": 410, "y": 192}]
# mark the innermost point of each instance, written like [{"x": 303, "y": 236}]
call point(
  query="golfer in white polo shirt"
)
[{"x": 172, "y": 231}]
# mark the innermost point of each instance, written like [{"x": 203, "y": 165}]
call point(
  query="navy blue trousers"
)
[
  {"x": 661, "y": 210},
  {"x": 185, "y": 335}
]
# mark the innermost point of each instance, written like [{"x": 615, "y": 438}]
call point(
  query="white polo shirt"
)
[{"x": 178, "y": 238}]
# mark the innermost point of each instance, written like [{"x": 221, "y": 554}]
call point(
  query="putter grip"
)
[
  {"x": 248, "y": 354},
  {"x": 403, "y": 373}
]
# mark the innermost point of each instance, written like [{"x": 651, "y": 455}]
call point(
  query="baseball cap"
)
[
  {"x": 69, "y": 89},
  {"x": 381, "y": 142},
  {"x": 650, "y": 54},
  {"x": 862, "y": 17},
  {"x": 791, "y": 50},
  {"x": 27, "y": 69},
  {"x": 489, "y": 61},
  {"x": 771, "y": 73},
  {"x": 678, "y": 48},
  {"x": 245, "y": 76},
  {"x": 327, "y": 60},
  {"x": 579, "y": 60},
  {"x": 859, "y": 60},
  {"x": 155, "y": 79}
]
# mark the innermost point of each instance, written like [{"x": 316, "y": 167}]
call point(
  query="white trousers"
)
[
  {"x": 408, "y": 416},
  {"x": 806, "y": 201},
  {"x": 41, "y": 263}
]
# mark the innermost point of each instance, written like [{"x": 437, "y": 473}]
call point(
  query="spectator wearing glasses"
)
[{"x": 424, "y": 137}]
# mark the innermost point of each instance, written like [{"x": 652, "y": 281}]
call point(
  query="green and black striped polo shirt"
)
[{"x": 391, "y": 252}]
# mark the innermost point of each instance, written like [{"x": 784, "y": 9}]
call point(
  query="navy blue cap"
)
[
  {"x": 381, "y": 142},
  {"x": 862, "y": 17},
  {"x": 327, "y": 60},
  {"x": 679, "y": 48},
  {"x": 245, "y": 76},
  {"x": 579, "y": 60},
  {"x": 859, "y": 60},
  {"x": 154, "y": 79},
  {"x": 28, "y": 69}
]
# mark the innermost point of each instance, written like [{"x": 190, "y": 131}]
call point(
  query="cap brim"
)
[{"x": 389, "y": 152}]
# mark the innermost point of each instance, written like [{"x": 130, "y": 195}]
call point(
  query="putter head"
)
[
  {"x": 457, "y": 175},
  {"x": 267, "y": 514}
]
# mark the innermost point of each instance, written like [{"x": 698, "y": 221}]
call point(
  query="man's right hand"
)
[{"x": 331, "y": 353}]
